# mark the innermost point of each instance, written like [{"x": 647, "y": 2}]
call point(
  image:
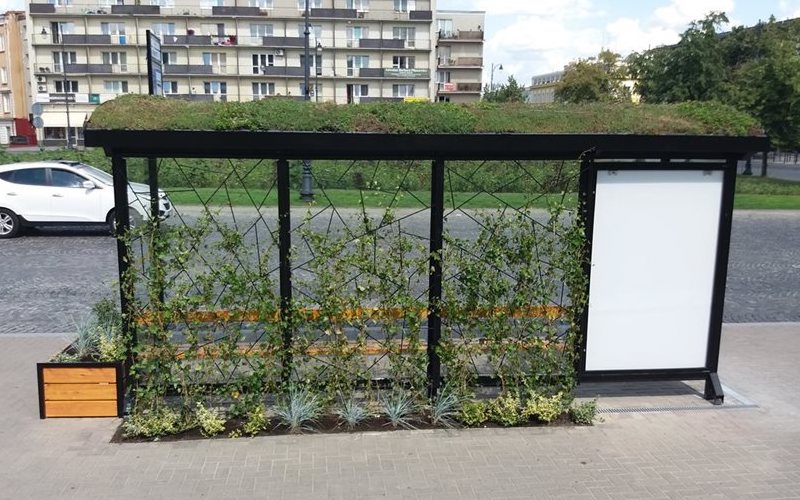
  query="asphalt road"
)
[{"x": 50, "y": 278}]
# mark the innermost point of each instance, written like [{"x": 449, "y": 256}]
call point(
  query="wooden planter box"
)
[{"x": 81, "y": 389}]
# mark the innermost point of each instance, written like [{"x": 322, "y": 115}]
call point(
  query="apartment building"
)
[
  {"x": 459, "y": 55},
  {"x": 14, "y": 87},
  {"x": 543, "y": 88},
  {"x": 85, "y": 52}
]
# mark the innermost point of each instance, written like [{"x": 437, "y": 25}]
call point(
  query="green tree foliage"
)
[
  {"x": 594, "y": 79},
  {"x": 692, "y": 70},
  {"x": 755, "y": 69},
  {"x": 509, "y": 92}
]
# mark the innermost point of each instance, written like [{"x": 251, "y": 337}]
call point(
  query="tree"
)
[
  {"x": 691, "y": 70},
  {"x": 509, "y": 92},
  {"x": 594, "y": 79}
]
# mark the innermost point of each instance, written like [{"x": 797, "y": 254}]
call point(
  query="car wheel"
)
[
  {"x": 9, "y": 223},
  {"x": 111, "y": 220}
]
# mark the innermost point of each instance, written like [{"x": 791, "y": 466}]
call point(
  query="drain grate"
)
[{"x": 660, "y": 409}]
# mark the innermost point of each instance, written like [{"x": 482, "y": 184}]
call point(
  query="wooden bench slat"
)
[
  {"x": 79, "y": 375},
  {"x": 80, "y": 392},
  {"x": 80, "y": 408}
]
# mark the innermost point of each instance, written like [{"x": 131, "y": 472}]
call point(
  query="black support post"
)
[
  {"x": 155, "y": 219},
  {"x": 284, "y": 249},
  {"x": 586, "y": 192},
  {"x": 119, "y": 170},
  {"x": 435, "y": 277}
]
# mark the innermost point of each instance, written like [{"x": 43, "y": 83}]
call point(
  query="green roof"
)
[{"x": 141, "y": 112}]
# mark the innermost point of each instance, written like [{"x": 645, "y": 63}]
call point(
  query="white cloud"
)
[
  {"x": 542, "y": 8},
  {"x": 680, "y": 12},
  {"x": 11, "y": 5}
]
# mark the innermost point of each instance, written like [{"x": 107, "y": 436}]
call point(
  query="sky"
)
[{"x": 530, "y": 37}]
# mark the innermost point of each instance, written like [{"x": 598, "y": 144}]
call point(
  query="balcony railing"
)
[
  {"x": 462, "y": 35},
  {"x": 459, "y": 87},
  {"x": 461, "y": 62}
]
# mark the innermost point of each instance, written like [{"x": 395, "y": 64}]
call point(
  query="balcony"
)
[
  {"x": 461, "y": 62},
  {"x": 458, "y": 87},
  {"x": 189, "y": 69},
  {"x": 407, "y": 74},
  {"x": 334, "y": 13},
  {"x": 87, "y": 39},
  {"x": 235, "y": 11},
  {"x": 462, "y": 36},
  {"x": 420, "y": 15},
  {"x": 191, "y": 97},
  {"x": 284, "y": 71},
  {"x": 186, "y": 40},
  {"x": 377, "y": 43},
  {"x": 283, "y": 41},
  {"x": 138, "y": 10}
]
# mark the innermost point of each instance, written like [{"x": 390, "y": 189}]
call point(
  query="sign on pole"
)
[{"x": 154, "y": 65}]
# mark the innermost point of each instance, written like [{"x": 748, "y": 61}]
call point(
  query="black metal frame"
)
[
  {"x": 708, "y": 372},
  {"x": 439, "y": 148},
  {"x": 117, "y": 365}
]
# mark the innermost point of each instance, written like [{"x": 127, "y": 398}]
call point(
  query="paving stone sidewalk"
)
[{"x": 733, "y": 451}]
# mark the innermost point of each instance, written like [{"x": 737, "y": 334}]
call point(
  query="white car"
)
[{"x": 66, "y": 192}]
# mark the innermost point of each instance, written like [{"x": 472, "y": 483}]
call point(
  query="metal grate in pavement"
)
[{"x": 660, "y": 409}]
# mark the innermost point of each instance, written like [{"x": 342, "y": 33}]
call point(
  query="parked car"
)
[{"x": 66, "y": 192}]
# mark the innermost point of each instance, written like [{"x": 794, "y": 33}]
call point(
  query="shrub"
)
[
  {"x": 398, "y": 407},
  {"x": 210, "y": 421},
  {"x": 161, "y": 421},
  {"x": 298, "y": 409},
  {"x": 352, "y": 413},
  {"x": 543, "y": 408},
  {"x": 257, "y": 420},
  {"x": 505, "y": 410},
  {"x": 584, "y": 413},
  {"x": 444, "y": 407},
  {"x": 472, "y": 413}
]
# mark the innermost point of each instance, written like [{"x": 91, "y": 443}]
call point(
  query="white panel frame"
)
[{"x": 654, "y": 247}]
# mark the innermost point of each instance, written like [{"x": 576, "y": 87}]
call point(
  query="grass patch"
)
[
  {"x": 766, "y": 202},
  {"x": 345, "y": 198},
  {"x": 140, "y": 112}
]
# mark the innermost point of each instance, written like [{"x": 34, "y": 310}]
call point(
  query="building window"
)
[
  {"x": 6, "y": 103},
  {"x": 404, "y": 5},
  {"x": 261, "y": 4},
  {"x": 207, "y": 4},
  {"x": 115, "y": 86},
  {"x": 163, "y": 3},
  {"x": 403, "y": 62},
  {"x": 216, "y": 60},
  {"x": 315, "y": 31},
  {"x": 259, "y": 30},
  {"x": 215, "y": 88},
  {"x": 60, "y": 2},
  {"x": 442, "y": 77},
  {"x": 312, "y": 88},
  {"x": 262, "y": 61},
  {"x": 71, "y": 86},
  {"x": 359, "y": 5},
  {"x": 170, "y": 87},
  {"x": 2, "y": 42},
  {"x": 355, "y": 91},
  {"x": 161, "y": 29},
  {"x": 263, "y": 89},
  {"x": 316, "y": 60},
  {"x": 312, "y": 4},
  {"x": 109, "y": 3},
  {"x": 355, "y": 33},
  {"x": 405, "y": 33},
  {"x": 354, "y": 63},
  {"x": 403, "y": 90},
  {"x": 169, "y": 58},
  {"x": 117, "y": 60},
  {"x": 3, "y": 76},
  {"x": 61, "y": 58},
  {"x": 445, "y": 27},
  {"x": 112, "y": 28}
]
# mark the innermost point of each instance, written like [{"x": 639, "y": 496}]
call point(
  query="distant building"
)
[
  {"x": 14, "y": 87},
  {"x": 543, "y": 88},
  {"x": 459, "y": 55},
  {"x": 85, "y": 52}
]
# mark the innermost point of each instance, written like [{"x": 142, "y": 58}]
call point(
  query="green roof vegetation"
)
[{"x": 140, "y": 112}]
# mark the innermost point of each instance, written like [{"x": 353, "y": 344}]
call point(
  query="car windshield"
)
[{"x": 98, "y": 174}]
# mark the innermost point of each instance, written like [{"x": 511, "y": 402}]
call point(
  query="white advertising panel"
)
[{"x": 654, "y": 251}]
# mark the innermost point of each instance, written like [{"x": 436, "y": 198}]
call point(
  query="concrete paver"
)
[{"x": 727, "y": 452}]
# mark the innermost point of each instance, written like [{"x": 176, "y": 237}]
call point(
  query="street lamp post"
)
[
  {"x": 491, "y": 75},
  {"x": 318, "y": 65},
  {"x": 306, "y": 191}
]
